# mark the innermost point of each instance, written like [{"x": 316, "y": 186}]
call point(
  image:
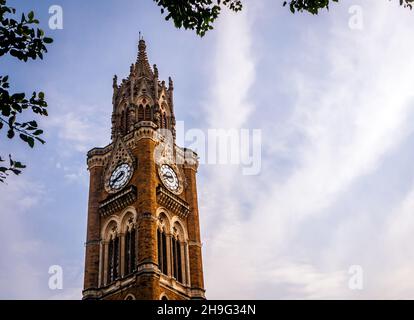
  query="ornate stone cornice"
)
[
  {"x": 118, "y": 201},
  {"x": 172, "y": 202}
]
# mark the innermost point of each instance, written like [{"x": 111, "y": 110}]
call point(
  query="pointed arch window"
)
[
  {"x": 162, "y": 251},
  {"x": 130, "y": 251},
  {"x": 140, "y": 113},
  {"x": 131, "y": 117},
  {"x": 122, "y": 121},
  {"x": 147, "y": 113},
  {"x": 113, "y": 259},
  {"x": 176, "y": 258}
]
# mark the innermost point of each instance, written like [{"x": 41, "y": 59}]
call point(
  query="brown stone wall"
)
[
  {"x": 93, "y": 230},
  {"x": 145, "y": 178},
  {"x": 193, "y": 228},
  {"x": 146, "y": 182}
]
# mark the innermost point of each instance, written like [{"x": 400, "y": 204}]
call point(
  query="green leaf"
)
[
  {"x": 27, "y": 139},
  {"x": 10, "y": 134},
  {"x": 30, "y": 141},
  {"x": 18, "y": 96},
  {"x": 16, "y": 53},
  {"x": 47, "y": 40},
  {"x": 37, "y": 132},
  {"x": 12, "y": 119},
  {"x": 19, "y": 165},
  {"x": 30, "y": 15},
  {"x": 32, "y": 123}
]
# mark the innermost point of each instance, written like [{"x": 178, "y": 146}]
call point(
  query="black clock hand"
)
[
  {"x": 119, "y": 176},
  {"x": 169, "y": 176}
]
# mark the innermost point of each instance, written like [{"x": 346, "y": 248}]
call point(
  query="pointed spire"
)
[
  {"x": 142, "y": 65},
  {"x": 155, "y": 71},
  {"x": 116, "y": 88},
  {"x": 170, "y": 84},
  {"x": 171, "y": 93},
  {"x": 155, "y": 82}
]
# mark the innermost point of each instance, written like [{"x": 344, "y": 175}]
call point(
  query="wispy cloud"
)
[
  {"x": 80, "y": 131},
  {"x": 19, "y": 263},
  {"x": 347, "y": 119}
]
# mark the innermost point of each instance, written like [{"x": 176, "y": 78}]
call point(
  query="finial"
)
[
  {"x": 115, "y": 82},
  {"x": 155, "y": 71},
  {"x": 131, "y": 69},
  {"x": 170, "y": 83},
  {"x": 142, "y": 66},
  {"x": 141, "y": 43},
  {"x": 141, "y": 46}
]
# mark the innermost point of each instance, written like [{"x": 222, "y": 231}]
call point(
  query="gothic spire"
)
[
  {"x": 142, "y": 66},
  {"x": 142, "y": 89}
]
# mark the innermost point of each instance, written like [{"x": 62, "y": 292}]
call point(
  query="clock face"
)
[
  {"x": 120, "y": 176},
  {"x": 169, "y": 178}
]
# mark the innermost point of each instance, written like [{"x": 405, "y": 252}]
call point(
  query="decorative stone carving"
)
[
  {"x": 120, "y": 154},
  {"x": 172, "y": 202},
  {"x": 118, "y": 201}
]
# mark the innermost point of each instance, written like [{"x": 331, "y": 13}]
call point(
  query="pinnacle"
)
[{"x": 142, "y": 65}]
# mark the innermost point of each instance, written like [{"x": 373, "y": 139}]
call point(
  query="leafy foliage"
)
[
  {"x": 196, "y": 15},
  {"x": 21, "y": 40},
  {"x": 14, "y": 167},
  {"x": 199, "y": 15},
  {"x": 314, "y": 6}
]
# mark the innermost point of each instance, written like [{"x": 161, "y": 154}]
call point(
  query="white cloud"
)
[
  {"x": 19, "y": 263},
  {"x": 349, "y": 116},
  {"x": 79, "y": 131}
]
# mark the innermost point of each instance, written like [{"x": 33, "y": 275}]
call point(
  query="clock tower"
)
[{"x": 143, "y": 234}]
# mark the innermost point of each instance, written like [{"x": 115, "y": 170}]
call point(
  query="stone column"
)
[
  {"x": 193, "y": 228},
  {"x": 93, "y": 232}
]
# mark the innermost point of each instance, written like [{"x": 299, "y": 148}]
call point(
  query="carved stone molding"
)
[
  {"x": 172, "y": 202},
  {"x": 120, "y": 154},
  {"x": 118, "y": 201}
]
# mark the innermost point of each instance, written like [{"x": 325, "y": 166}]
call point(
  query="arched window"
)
[
  {"x": 122, "y": 121},
  {"x": 147, "y": 113},
  {"x": 164, "y": 297},
  {"x": 166, "y": 126},
  {"x": 113, "y": 259},
  {"x": 162, "y": 251},
  {"x": 176, "y": 258},
  {"x": 131, "y": 117},
  {"x": 179, "y": 252},
  {"x": 140, "y": 113},
  {"x": 129, "y": 254}
]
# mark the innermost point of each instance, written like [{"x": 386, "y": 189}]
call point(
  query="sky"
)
[{"x": 331, "y": 96}]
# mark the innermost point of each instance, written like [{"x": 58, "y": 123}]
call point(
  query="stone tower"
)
[{"x": 143, "y": 233}]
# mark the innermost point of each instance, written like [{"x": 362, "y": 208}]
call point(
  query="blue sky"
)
[{"x": 335, "y": 107}]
